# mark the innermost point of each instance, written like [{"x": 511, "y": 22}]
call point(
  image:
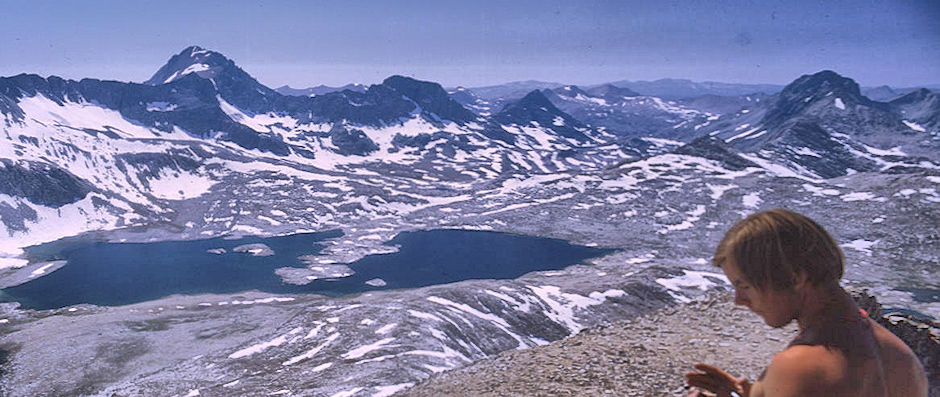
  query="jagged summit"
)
[
  {"x": 811, "y": 93},
  {"x": 535, "y": 101},
  {"x": 821, "y": 126},
  {"x": 431, "y": 97},
  {"x": 536, "y": 108},
  {"x": 232, "y": 83},
  {"x": 823, "y": 83},
  {"x": 569, "y": 91},
  {"x": 193, "y": 59}
]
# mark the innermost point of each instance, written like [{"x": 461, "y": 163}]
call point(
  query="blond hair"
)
[{"x": 771, "y": 248}]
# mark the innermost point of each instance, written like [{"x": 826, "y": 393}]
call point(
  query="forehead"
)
[{"x": 733, "y": 273}]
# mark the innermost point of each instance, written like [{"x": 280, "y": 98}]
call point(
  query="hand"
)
[
  {"x": 717, "y": 381},
  {"x": 694, "y": 393}
]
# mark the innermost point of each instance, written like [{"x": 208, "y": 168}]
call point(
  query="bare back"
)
[
  {"x": 903, "y": 373},
  {"x": 849, "y": 357}
]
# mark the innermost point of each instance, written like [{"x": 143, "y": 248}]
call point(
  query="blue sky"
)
[{"x": 306, "y": 43}]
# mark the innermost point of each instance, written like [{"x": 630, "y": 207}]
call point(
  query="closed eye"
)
[{"x": 739, "y": 285}]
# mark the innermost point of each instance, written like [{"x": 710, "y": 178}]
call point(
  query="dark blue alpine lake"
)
[{"x": 111, "y": 274}]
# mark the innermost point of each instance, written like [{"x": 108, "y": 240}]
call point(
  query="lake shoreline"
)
[{"x": 115, "y": 274}]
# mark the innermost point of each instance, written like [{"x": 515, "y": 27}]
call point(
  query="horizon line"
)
[{"x": 933, "y": 85}]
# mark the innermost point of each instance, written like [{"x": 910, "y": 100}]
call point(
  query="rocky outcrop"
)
[
  {"x": 41, "y": 184},
  {"x": 351, "y": 141},
  {"x": 715, "y": 149},
  {"x": 432, "y": 99}
]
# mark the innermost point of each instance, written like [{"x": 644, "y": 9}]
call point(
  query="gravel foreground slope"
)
[{"x": 647, "y": 356}]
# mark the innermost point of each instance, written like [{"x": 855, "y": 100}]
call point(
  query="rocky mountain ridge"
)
[
  {"x": 820, "y": 126},
  {"x": 318, "y": 90},
  {"x": 212, "y": 154}
]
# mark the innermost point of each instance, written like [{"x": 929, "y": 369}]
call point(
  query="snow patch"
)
[
  {"x": 561, "y": 305},
  {"x": 384, "y": 330},
  {"x": 385, "y": 391},
  {"x": 312, "y": 352},
  {"x": 42, "y": 270},
  {"x": 492, "y": 318},
  {"x": 751, "y": 200},
  {"x": 719, "y": 190},
  {"x": 321, "y": 367},
  {"x": 777, "y": 169},
  {"x": 858, "y": 196},
  {"x": 363, "y": 350},
  {"x": 691, "y": 279},
  {"x": 196, "y": 67},
  {"x": 263, "y": 346},
  {"x": 895, "y": 151},
  {"x": 161, "y": 106},
  {"x": 349, "y": 393},
  {"x": 861, "y": 245},
  {"x": 818, "y": 191},
  {"x": 377, "y": 282},
  {"x": 914, "y": 126},
  {"x": 172, "y": 185},
  {"x": 746, "y": 133},
  {"x": 807, "y": 152},
  {"x": 839, "y": 104}
]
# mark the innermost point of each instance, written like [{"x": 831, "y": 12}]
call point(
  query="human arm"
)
[{"x": 716, "y": 380}]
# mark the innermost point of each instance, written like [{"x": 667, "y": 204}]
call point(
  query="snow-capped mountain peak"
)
[
  {"x": 233, "y": 84},
  {"x": 534, "y": 106},
  {"x": 535, "y": 109},
  {"x": 826, "y": 85},
  {"x": 194, "y": 59},
  {"x": 821, "y": 126}
]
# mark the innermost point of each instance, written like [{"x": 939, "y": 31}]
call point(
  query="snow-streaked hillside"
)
[{"x": 206, "y": 151}]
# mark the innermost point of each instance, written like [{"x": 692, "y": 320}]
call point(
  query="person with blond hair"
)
[{"x": 785, "y": 267}]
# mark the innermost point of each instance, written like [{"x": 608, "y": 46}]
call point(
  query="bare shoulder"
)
[
  {"x": 890, "y": 343},
  {"x": 803, "y": 370},
  {"x": 804, "y": 356},
  {"x": 904, "y": 374}
]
